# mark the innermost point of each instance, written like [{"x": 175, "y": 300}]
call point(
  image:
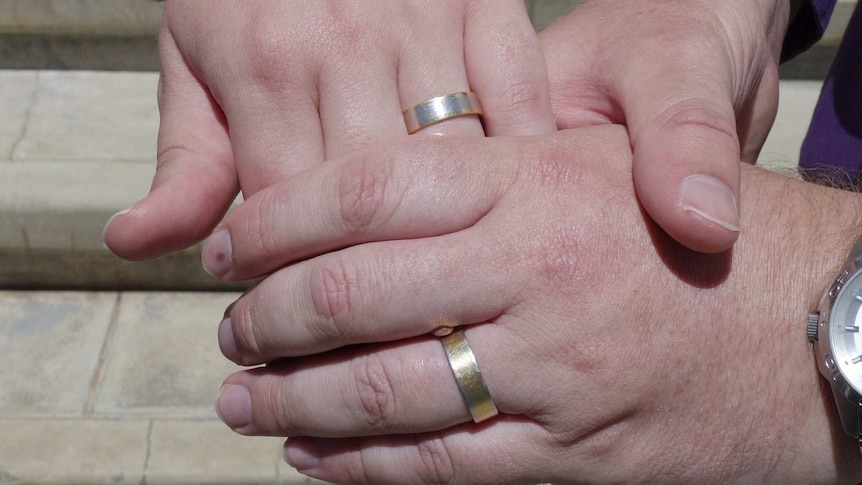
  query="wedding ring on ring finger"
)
[
  {"x": 441, "y": 108},
  {"x": 469, "y": 378}
]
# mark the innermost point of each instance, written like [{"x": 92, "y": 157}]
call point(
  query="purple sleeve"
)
[
  {"x": 835, "y": 135},
  {"x": 807, "y": 27}
]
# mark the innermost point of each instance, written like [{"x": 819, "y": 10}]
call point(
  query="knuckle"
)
[
  {"x": 435, "y": 463},
  {"x": 692, "y": 114},
  {"x": 280, "y": 402},
  {"x": 362, "y": 195},
  {"x": 244, "y": 333},
  {"x": 522, "y": 99},
  {"x": 346, "y": 29},
  {"x": 170, "y": 153},
  {"x": 375, "y": 391},
  {"x": 559, "y": 260},
  {"x": 260, "y": 226},
  {"x": 335, "y": 295},
  {"x": 267, "y": 49},
  {"x": 553, "y": 167}
]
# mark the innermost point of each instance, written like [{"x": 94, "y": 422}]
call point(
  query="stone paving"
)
[{"x": 105, "y": 387}]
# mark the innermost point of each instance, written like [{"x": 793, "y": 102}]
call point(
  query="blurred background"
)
[{"x": 110, "y": 369}]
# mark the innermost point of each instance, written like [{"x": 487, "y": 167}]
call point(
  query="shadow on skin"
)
[{"x": 696, "y": 269}]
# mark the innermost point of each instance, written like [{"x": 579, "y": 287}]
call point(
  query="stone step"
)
[
  {"x": 76, "y": 147},
  {"x": 120, "y": 34}
]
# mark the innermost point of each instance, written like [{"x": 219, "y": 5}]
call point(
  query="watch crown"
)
[{"x": 813, "y": 324}]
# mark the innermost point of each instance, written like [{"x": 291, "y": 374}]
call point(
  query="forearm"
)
[{"x": 797, "y": 236}]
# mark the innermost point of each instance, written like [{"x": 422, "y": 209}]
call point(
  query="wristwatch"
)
[{"x": 835, "y": 331}]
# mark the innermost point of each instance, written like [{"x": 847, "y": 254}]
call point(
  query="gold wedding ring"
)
[
  {"x": 440, "y": 109},
  {"x": 470, "y": 382}
]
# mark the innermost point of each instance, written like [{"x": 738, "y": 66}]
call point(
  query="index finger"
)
[{"x": 426, "y": 186}]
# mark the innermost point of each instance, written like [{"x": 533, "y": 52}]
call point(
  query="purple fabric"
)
[
  {"x": 807, "y": 27},
  {"x": 835, "y": 136}
]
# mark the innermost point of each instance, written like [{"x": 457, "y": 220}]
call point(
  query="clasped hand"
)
[{"x": 595, "y": 332}]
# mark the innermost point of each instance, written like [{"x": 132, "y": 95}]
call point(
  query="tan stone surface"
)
[
  {"x": 49, "y": 349},
  {"x": 209, "y": 452},
  {"x": 92, "y": 116},
  {"x": 56, "y": 451},
  {"x": 795, "y": 108},
  {"x": 102, "y": 17},
  {"x": 65, "y": 205},
  {"x": 17, "y": 91},
  {"x": 838, "y": 23},
  {"x": 163, "y": 360}
]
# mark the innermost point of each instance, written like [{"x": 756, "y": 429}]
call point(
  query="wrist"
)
[{"x": 803, "y": 232}]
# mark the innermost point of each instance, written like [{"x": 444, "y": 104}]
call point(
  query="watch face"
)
[{"x": 845, "y": 332}]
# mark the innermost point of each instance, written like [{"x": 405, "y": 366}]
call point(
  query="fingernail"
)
[
  {"x": 229, "y": 309},
  {"x": 226, "y": 342},
  {"x": 233, "y": 406},
  {"x": 108, "y": 224},
  {"x": 217, "y": 254},
  {"x": 301, "y": 456},
  {"x": 710, "y": 198}
]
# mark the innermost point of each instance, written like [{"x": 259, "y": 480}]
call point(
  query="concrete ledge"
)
[
  {"x": 121, "y": 34},
  {"x": 113, "y": 18},
  {"x": 51, "y": 220},
  {"x": 102, "y": 53},
  {"x": 838, "y": 25},
  {"x": 140, "y": 18}
]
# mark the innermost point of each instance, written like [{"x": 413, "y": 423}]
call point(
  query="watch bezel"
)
[{"x": 823, "y": 345}]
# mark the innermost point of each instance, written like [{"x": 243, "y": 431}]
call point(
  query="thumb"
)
[
  {"x": 682, "y": 125},
  {"x": 195, "y": 180}
]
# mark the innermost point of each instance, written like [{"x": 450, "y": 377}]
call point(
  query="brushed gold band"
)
[
  {"x": 440, "y": 109},
  {"x": 467, "y": 375}
]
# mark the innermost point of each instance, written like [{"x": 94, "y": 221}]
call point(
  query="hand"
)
[
  {"x": 695, "y": 81},
  {"x": 255, "y": 91},
  {"x": 613, "y": 354}
]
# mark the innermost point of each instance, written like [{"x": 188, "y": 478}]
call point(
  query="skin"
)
[
  {"x": 431, "y": 223},
  {"x": 254, "y": 92},
  {"x": 614, "y": 354}
]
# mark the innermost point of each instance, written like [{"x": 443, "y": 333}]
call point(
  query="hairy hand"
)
[
  {"x": 255, "y": 91},
  {"x": 614, "y": 354}
]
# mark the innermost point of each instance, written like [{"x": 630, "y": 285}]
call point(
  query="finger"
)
[
  {"x": 195, "y": 180},
  {"x": 370, "y": 293},
  {"x": 359, "y": 101},
  {"x": 432, "y": 65},
  {"x": 465, "y": 454},
  {"x": 400, "y": 387},
  {"x": 681, "y": 120},
  {"x": 269, "y": 93},
  {"x": 404, "y": 387},
  {"x": 275, "y": 135},
  {"x": 420, "y": 188},
  {"x": 507, "y": 69}
]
